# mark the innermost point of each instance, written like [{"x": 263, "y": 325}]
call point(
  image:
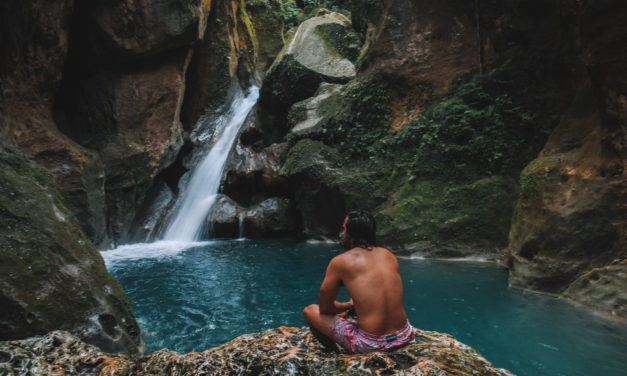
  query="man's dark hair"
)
[{"x": 362, "y": 228}]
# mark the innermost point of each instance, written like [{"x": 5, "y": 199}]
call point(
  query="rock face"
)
[
  {"x": 51, "y": 276},
  {"x": 271, "y": 217},
  {"x": 95, "y": 92},
  {"x": 568, "y": 230},
  {"x": 285, "y": 351}
]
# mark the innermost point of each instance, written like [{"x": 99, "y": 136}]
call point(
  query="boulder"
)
[
  {"x": 224, "y": 219},
  {"x": 284, "y": 351},
  {"x": 312, "y": 168},
  {"x": 323, "y": 48},
  {"x": 271, "y": 217},
  {"x": 251, "y": 176},
  {"x": 51, "y": 276},
  {"x": 305, "y": 117}
]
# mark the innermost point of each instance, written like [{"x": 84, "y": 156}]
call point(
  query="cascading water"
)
[{"x": 197, "y": 198}]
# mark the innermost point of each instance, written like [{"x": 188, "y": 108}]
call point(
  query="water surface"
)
[{"x": 194, "y": 296}]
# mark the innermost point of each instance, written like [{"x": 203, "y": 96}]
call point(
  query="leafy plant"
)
[{"x": 363, "y": 120}]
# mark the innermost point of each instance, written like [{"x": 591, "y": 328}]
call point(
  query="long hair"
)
[{"x": 362, "y": 228}]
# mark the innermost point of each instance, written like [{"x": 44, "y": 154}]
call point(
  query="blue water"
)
[{"x": 192, "y": 299}]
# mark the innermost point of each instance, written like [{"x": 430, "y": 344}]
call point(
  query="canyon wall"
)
[{"x": 95, "y": 92}]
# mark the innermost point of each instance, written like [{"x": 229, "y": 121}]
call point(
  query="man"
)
[{"x": 372, "y": 279}]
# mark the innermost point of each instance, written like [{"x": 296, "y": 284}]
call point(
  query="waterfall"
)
[{"x": 198, "y": 196}]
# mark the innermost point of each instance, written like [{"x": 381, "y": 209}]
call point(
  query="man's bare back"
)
[
  {"x": 371, "y": 277},
  {"x": 373, "y": 281}
]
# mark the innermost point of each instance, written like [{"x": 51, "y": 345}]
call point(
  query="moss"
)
[
  {"x": 362, "y": 118},
  {"x": 438, "y": 211},
  {"x": 47, "y": 265},
  {"x": 252, "y": 35},
  {"x": 286, "y": 83},
  {"x": 339, "y": 40}
]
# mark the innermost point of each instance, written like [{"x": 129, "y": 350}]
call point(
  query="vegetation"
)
[
  {"x": 362, "y": 126},
  {"x": 488, "y": 125},
  {"x": 297, "y": 11}
]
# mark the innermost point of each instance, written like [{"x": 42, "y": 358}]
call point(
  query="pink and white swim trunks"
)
[{"x": 348, "y": 335}]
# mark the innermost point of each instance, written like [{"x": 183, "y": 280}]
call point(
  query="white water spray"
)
[{"x": 199, "y": 195}]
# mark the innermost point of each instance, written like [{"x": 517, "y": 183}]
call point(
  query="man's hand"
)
[{"x": 342, "y": 307}]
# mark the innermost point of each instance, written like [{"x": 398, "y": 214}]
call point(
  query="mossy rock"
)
[
  {"x": 51, "y": 276},
  {"x": 280, "y": 351},
  {"x": 448, "y": 220},
  {"x": 314, "y": 53},
  {"x": 306, "y": 118}
]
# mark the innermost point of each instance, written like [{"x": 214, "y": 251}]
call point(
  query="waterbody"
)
[{"x": 194, "y": 296}]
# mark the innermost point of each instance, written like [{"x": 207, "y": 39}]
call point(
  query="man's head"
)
[{"x": 360, "y": 230}]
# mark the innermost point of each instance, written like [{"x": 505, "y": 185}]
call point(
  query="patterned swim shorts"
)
[{"x": 348, "y": 335}]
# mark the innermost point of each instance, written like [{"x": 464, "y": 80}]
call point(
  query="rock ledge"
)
[{"x": 284, "y": 351}]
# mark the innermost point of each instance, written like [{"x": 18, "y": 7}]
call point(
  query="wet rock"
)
[
  {"x": 604, "y": 288},
  {"x": 224, "y": 57},
  {"x": 121, "y": 30},
  {"x": 271, "y": 217},
  {"x": 251, "y": 173},
  {"x": 285, "y": 351},
  {"x": 322, "y": 49},
  {"x": 224, "y": 218},
  {"x": 418, "y": 42},
  {"x": 149, "y": 217},
  {"x": 312, "y": 169},
  {"x": 267, "y": 20},
  {"x": 51, "y": 276}
]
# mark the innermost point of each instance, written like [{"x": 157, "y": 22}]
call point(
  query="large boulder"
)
[
  {"x": 323, "y": 48},
  {"x": 271, "y": 217},
  {"x": 51, "y": 276},
  {"x": 284, "y": 351},
  {"x": 250, "y": 175}
]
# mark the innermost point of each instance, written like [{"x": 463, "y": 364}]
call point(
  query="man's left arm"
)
[{"x": 329, "y": 290}]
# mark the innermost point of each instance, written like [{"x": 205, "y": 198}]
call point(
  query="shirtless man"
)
[{"x": 373, "y": 281}]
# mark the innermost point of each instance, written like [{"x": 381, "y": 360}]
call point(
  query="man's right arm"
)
[{"x": 329, "y": 289}]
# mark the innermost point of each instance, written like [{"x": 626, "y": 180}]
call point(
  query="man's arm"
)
[{"x": 329, "y": 289}]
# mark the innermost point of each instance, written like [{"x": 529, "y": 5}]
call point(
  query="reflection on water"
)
[{"x": 192, "y": 299}]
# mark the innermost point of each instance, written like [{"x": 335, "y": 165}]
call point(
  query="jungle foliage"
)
[
  {"x": 297, "y": 11},
  {"x": 487, "y": 125}
]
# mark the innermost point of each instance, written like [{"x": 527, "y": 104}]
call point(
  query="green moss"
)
[
  {"x": 50, "y": 267},
  {"x": 339, "y": 40},
  {"x": 286, "y": 83},
  {"x": 361, "y": 120},
  {"x": 252, "y": 35},
  {"x": 438, "y": 211}
]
